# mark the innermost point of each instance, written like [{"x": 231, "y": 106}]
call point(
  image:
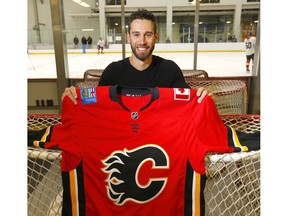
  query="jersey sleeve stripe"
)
[
  {"x": 236, "y": 140},
  {"x": 46, "y": 134},
  {"x": 41, "y": 143},
  {"x": 36, "y": 143}
]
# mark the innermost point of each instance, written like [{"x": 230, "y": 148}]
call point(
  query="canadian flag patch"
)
[{"x": 182, "y": 94}]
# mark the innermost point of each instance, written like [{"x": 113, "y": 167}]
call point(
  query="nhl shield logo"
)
[{"x": 134, "y": 115}]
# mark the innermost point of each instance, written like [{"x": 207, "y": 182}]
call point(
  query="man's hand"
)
[
  {"x": 71, "y": 93},
  {"x": 201, "y": 93}
]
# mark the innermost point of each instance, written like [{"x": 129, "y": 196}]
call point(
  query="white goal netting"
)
[
  {"x": 230, "y": 96},
  {"x": 232, "y": 188}
]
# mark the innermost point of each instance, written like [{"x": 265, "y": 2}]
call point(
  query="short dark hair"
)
[{"x": 142, "y": 14}]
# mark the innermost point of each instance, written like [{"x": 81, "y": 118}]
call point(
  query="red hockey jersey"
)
[{"x": 124, "y": 151}]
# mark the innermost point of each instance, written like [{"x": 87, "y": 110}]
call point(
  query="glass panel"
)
[
  {"x": 114, "y": 2},
  {"x": 215, "y": 25}
]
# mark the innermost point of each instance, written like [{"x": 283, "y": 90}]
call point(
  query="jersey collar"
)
[{"x": 117, "y": 89}]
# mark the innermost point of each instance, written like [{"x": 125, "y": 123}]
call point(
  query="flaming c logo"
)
[{"x": 124, "y": 169}]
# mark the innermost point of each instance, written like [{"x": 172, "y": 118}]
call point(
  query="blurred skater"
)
[
  {"x": 100, "y": 45},
  {"x": 250, "y": 44}
]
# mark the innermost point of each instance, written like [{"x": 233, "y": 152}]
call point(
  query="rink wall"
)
[
  {"x": 188, "y": 47},
  {"x": 159, "y": 47}
]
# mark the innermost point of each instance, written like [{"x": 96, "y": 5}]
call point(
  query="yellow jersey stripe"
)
[
  {"x": 196, "y": 194},
  {"x": 236, "y": 140},
  {"x": 74, "y": 192},
  {"x": 47, "y": 132},
  {"x": 43, "y": 138}
]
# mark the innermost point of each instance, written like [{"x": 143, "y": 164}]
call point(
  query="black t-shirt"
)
[{"x": 161, "y": 73}]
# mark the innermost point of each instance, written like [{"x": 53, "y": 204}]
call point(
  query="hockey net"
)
[
  {"x": 232, "y": 187},
  {"x": 230, "y": 96}
]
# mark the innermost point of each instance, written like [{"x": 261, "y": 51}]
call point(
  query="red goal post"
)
[{"x": 232, "y": 187}]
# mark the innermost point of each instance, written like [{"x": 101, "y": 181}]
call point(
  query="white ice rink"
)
[{"x": 215, "y": 63}]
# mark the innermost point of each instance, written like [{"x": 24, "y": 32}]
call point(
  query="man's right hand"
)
[{"x": 71, "y": 93}]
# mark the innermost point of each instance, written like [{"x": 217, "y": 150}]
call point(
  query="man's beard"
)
[{"x": 141, "y": 57}]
